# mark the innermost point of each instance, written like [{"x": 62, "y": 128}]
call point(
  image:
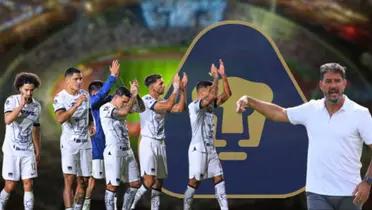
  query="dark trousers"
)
[{"x": 326, "y": 202}]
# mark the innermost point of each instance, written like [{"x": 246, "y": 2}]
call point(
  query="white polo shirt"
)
[{"x": 335, "y": 145}]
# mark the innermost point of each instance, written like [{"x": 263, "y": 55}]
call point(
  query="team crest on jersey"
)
[{"x": 248, "y": 145}]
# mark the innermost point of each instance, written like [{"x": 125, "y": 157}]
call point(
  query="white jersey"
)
[
  {"x": 202, "y": 125},
  {"x": 18, "y": 134},
  {"x": 114, "y": 128},
  {"x": 75, "y": 130},
  {"x": 152, "y": 123}
]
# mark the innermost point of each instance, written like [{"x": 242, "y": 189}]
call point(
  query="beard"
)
[{"x": 330, "y": 93}]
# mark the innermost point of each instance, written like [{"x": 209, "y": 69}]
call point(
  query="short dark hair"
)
[
  {"x": 70, "y": 71},
  {"x": 26, "y": 78},
  {"x": 332, "y": 67},
  {"x": 203, "y": 84},
  {"x": 152, "y": 79},
  {"x": 123, "y": 91},
  {"x": 95, "y": 85}
]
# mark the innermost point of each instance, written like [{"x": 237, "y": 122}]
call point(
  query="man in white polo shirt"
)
[{"x": 336, "y": 127}]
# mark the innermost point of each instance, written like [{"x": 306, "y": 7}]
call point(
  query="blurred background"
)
[{"x": 148, "y": 36}]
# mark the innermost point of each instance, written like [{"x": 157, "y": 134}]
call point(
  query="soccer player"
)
[
  {"x": 22, "y": 141},
  {"x": 152, "y": 154},
  {"x": 203, "y": 158},
  {"x": 119, "y": 158},
  {"x": 98, "y": 92},
  {"x": 71, "y": 107}
]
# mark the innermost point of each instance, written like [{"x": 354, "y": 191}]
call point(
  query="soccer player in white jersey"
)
[
  {"x": 71, "y": 107},
  {"x": 21, "y": 145},
  {"x": 99, "y": 95},
  {"x": 152, "y": 154},
  {"x": 203, "y": 158},
  {"x": 118, "y": 156}
]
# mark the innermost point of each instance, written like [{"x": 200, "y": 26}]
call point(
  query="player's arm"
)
[
  {"x": 102, "y": 93},
  {"x": 36, "y": 140},
  {"x": 10, "y": 116},
  {"x": 180, "y": 106},
  {"x": 212, "y": 96},
  {"x": 167, "y": 105},
  {"x": 63, "y": 115},
  {"x": 140, "y": 104},
  {"x": 269, "y": 110},
  {"x": 127, "y": 108},
  {"x": 226, "y": 94},
  {"x": 122, "y": 112}
]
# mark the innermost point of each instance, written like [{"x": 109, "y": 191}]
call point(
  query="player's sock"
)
[
  {"x": 69, "y": 209},
  {"x": 78, "y": 206},
  {"x": 116, "y": 202},
  {"x": 221, "y": 195},
  {"x": 155, "y": 199},
  {"x": 4, "y": 196},
  {"x": 140, "y": 192},
  {"x": 109, "y": 200},
  {"x": 128, "y": 198},
  {"x": 86, "y": 205},
  {"x": 28, "y": 200},
  {"x": 187, "y": 201}
]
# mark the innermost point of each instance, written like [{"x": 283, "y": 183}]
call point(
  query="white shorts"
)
[
  {"x": 204, "y": 164},
  {"x": 79, "y": 164},
  {"x": 120, "y": 166},
  {"x": 153, "y": 158},
  {"x": 98, "y": 169},
  {"x": 19, "y": 167}
]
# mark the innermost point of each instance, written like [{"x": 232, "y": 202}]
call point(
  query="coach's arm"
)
[{"x": 269, "y": 110}]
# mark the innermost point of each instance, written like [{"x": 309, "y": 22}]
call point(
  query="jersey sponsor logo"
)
[
  {"x": 28, "y": 112},
  {"x": 248, "y": 145}
]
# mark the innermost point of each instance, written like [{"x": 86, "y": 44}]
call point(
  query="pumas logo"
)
[{"x": 260, "y": 158}]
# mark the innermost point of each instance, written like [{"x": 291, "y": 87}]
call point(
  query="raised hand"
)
[
  {"x": 115, "y": 68},
  {"x": 242, "y": 104},
  {"x": 184, "y": 81},
  {"x": 176, "y": 82},
  {"x": 221, "y": 69},
  {"x": 214, "y": 72},
  {"x": 134, "y": 88}
]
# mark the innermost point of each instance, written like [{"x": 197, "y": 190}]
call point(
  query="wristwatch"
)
[{"x": 368, "y": 179}]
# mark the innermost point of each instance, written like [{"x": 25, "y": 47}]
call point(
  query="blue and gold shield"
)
[{"x": 260, "y": 158}]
